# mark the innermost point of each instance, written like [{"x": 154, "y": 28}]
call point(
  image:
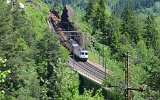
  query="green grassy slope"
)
[{"x": 37, "y": 16}]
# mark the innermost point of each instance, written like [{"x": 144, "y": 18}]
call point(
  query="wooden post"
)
[
  {"x": 127, "y": 78},
  {"x": 128, "y": 88},
  {"x": 99, "y": 58},
  {"x": 105, "y": 69},
  {"x": 103, "y": 57}
]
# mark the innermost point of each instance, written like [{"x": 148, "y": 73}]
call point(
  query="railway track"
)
[
  {"x": 95, "y": 68},
  {"x": 90, "y": 69}
]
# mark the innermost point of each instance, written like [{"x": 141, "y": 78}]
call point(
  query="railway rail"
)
[
  {"x": 95, "y": 68},
  {"x": 90, "y": 69},
  {"x": 87, "y": 70}
]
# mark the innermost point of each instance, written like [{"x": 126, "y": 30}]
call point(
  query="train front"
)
[{"x": 84, "y": 55}]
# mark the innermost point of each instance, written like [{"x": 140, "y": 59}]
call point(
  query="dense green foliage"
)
[
  {"x": 124, "y": 25},
  {"x": 33, "y": 58},
  {"x": 134, "y": 31},
  {"x": 33, "y": 63}
]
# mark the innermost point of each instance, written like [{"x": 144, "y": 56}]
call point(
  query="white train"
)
[
  {"x": 81, "y": 53},
  {"x": 71, "y": 44},
  {"x": 77, "y": 50}
]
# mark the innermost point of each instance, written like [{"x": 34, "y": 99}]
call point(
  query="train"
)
[
  {"x": 63, "y": 37},
  {"x": 77, "y": 50}
]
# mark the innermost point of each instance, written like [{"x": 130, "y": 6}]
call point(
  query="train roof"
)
[
  {"x": 81, "y": 48},
  {"x": 73, "y": 42}
]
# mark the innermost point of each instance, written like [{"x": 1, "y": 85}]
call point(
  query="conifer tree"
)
[
  {"x": 89, "y": 10},
  {"x": 126, "y": 20},
  {"x": 113, "y": 32},
  {"x": 22, "y": 25},
  {"x": 7, "y": 39},
  {"x": 100, "y": 16},
  {"x": 136, "y": 28},
  {"x": 131, "y": 26},
  {"x": 24, "y": 72},
  {"x": 151, "y": 34},
  {"x": 49, "y": 53}
]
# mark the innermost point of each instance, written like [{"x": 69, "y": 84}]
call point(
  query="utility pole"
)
[
  {"x": 99, "y": 58},
  {"x": 128, "y": 87},
  {"x": 104, "y": 60},
  {"x": 105, "y": 68},
  {"x": 103, "y": 55},
  {"x": 127, "y": 77}
]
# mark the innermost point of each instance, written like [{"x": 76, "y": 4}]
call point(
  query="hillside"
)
[
  {"x": 27, "y": 72},
  {"x": 33, "y": 63},
  {"x": 32, "y": 60},
  {"x": 124, "y": 26}
]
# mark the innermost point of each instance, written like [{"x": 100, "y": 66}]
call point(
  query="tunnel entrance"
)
[{"x": 68, "y": 26}]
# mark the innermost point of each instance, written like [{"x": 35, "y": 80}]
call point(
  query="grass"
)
[
  {"x": 37, "y": 16},
  {"x": 95, "y": 58}
]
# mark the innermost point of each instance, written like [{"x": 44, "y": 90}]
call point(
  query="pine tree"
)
[
  {"x": 126, "y": 20},
  {"x": 136, "y": 29},
  {"x": 19, "y": 54},
  {"x": 89, "y": 10},
  {"x": 7, "y": 38},
  {"x": 48, "y": 53},
  {"x": 151, "y": 34},
  {"x": 131, "y": 26},
  {"x": 113, "y": 30},
  {"x": 22, "y": 25},
  {"x": 100, "y": 16}
]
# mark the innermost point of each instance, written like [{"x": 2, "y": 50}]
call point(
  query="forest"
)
[{"x": 33, "y": 63}]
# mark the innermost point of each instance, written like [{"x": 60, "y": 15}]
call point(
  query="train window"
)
[{"x": 82, "y": 53}]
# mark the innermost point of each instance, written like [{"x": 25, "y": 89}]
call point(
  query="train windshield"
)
[
  {"x": 82, "y": 53},
  {"x": 86, "y": 53}
]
